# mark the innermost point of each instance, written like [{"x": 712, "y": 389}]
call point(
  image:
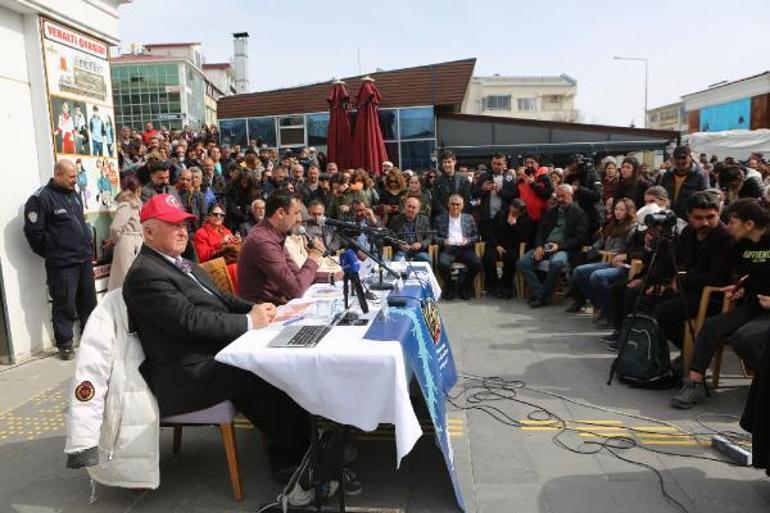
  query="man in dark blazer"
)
[
  {"x": 561, "y": 234},
  {"x": 457, "y": 236},
  {"x": 414, "y": 229},
  {"x": 183, "y": 320}
]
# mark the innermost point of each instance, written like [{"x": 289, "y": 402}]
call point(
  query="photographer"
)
[
  {"x": 559, "y": 237},
  {"x": 582, "y": 176},
  {"x": 534, "y": 187},
  {"x": 683, "y": 180},
  {"x": 495, "y": 190},
  {"x": 747, "y": 325},
  {"x": 702, "y": 252}
]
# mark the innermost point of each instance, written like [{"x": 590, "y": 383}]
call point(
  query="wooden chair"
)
[
  {"x": 518, "y": 279},
  {"x": 637, "y": 266},
  {"x": 217, "y": 269},
  {"x": 220, "y": 415},
  {"x": 433, "y": 251},
  {"x": 607, "y": 256},
  {"x": 688, "y": 341}
]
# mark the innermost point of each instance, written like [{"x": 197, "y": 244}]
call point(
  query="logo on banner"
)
[{"x": 432, "y": 320}]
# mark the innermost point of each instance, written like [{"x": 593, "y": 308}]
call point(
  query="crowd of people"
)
[{"x": 582, "y": 225}]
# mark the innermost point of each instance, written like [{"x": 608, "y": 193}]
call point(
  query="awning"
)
[{"x": 559, "y": 148}]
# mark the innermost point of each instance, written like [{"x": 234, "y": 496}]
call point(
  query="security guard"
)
[{"x": 56, "y": 230}]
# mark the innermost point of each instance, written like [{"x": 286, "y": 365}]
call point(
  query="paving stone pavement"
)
[{"x": 502, "y": 468}]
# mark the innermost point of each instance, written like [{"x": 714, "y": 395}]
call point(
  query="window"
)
[
  {"x": 317, "y": 127},
  {"x": 233, "y": 131},
  {"x": 263, "y": 130},
  {"x": 553, "y": 98},
  {"x": 526, "y": 104},
  {"x": 388, "y": 124},
  {"x": 292, "y": 130},
  {"x": 417, "y": 154},
  {"x": 416, "y": 123},
  {"x": 497, "y": 102}
]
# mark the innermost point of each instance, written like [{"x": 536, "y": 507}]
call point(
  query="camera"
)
[
  {"x": 549, "y": 247},
  {"x": 666, "y": 219}
]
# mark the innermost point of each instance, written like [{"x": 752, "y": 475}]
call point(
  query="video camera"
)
[{"x": 666, "y": 218}]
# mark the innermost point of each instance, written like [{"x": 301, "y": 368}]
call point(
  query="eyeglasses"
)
[{"x": 217, "y": 214}]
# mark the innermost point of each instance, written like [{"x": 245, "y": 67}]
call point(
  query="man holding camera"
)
[
  {"x": 702, "y": 252},
  {"x": 587, "y": 186},
  {"x": 495, "y": 190},
  {"x": 534, "y": 187},
  {"x": 559, "y": 237},
  {"x": 748, "y": 323}
]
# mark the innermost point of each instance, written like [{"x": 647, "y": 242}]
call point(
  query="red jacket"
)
[
  {"x": 208, "y": 240},
  {"x": 146, "y": 135},
  {"x": 536, "y": 194}
]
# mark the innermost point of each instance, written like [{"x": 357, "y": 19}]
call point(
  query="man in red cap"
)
[{"x": 183, "y": 320}]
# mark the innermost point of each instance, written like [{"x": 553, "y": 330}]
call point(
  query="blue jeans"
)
[
  {"x": 556, "y": 265},
  {"x": 599, "y": 284},
  {"x": 580, "y": 278}
]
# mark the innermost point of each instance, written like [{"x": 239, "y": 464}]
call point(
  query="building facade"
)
[
  {"x": 741, "y": 104},
  {"x": 544, "y": 98},
  {"x": 668, "y": 117},
  {"x": 55, "y": 80},
  {"x": 165, "y": 84}
]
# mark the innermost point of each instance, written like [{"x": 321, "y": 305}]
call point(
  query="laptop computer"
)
[{"x": 299, "y": 336}]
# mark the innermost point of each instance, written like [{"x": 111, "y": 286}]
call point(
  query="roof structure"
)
[
  {"x": 170, "y": 45},
  {"x": 217, "y": 65},
  {"x": 434, "y": 84}
]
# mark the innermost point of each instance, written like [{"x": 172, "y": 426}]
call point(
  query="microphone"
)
[
  {"x": 350, "y": 266},
  {"x": 347, "y": 225},
  {"x": 300, "y": 230}
]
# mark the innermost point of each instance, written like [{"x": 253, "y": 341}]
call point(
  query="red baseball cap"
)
[{"x": 164, "y": 207}]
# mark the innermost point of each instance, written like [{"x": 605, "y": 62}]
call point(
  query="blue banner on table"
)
[{"x": 422, "y": 335}]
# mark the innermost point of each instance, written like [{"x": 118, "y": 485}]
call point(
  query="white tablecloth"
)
[{"x": 345, "y": 378}]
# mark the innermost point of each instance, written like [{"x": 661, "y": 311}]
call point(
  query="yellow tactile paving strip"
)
[
  {"x": 384, "y": 432},
  {"x": 593, "y": 429},
  {"x": 39, "y": 417}
]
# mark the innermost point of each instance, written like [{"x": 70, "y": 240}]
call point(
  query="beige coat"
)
[{"x": 126, "y": 235}]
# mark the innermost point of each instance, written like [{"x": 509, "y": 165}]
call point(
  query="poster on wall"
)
[{"x": 77, "y": 71}]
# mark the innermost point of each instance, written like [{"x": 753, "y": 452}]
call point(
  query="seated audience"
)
[
  {"x": 559, "y": 237},
  {"x": 456, "y": 237},
  {"x": 632, "y": 184},
  {"x": 414, "y": 229},
  {"x": 159, "y": 181},
  {"x": 257, "y": 215},
  {"x": 746, "y": 326},
  {"x": 592, "y": 280},
  {"x": 315, "y": 230},
  {"x": 511, "y": 228},
  {"x": 265, "y": 270},
  {"x": 183, "y": 320}
]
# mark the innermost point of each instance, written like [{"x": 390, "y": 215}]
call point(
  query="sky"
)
[{"x": 689, "y": 45}]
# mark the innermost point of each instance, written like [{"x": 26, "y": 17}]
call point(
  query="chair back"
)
[{"x": 217, "y": 270}]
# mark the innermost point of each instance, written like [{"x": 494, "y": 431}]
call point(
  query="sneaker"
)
[
  {"x": 298, "y": 496},
  {"x": 575, "y": 307},
  {"x": 352, "y": 484},
  {"x": 66, "y": 353},
  {"x": 691, "y": 393}
]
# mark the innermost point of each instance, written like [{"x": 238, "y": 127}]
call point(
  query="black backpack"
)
[{"x": 643, "y": 356}]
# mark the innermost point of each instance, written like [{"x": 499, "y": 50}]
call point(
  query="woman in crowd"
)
[
  {"x": 361, "y": 189},
  {"x": 125, "y": 230},
  {"x": 512, "y": 227},
  {"x": 592, "y": 281},
  {"x": 239, "y": 193},
  {"x": 609, "y": 183},
  {"x": 414, "y": 190},
  {"x": 631, "y": 185},
  {"x": 430, "y": 181},
  {"x": 214, "y": 240},
  {"x": 391, "y": 195}
]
